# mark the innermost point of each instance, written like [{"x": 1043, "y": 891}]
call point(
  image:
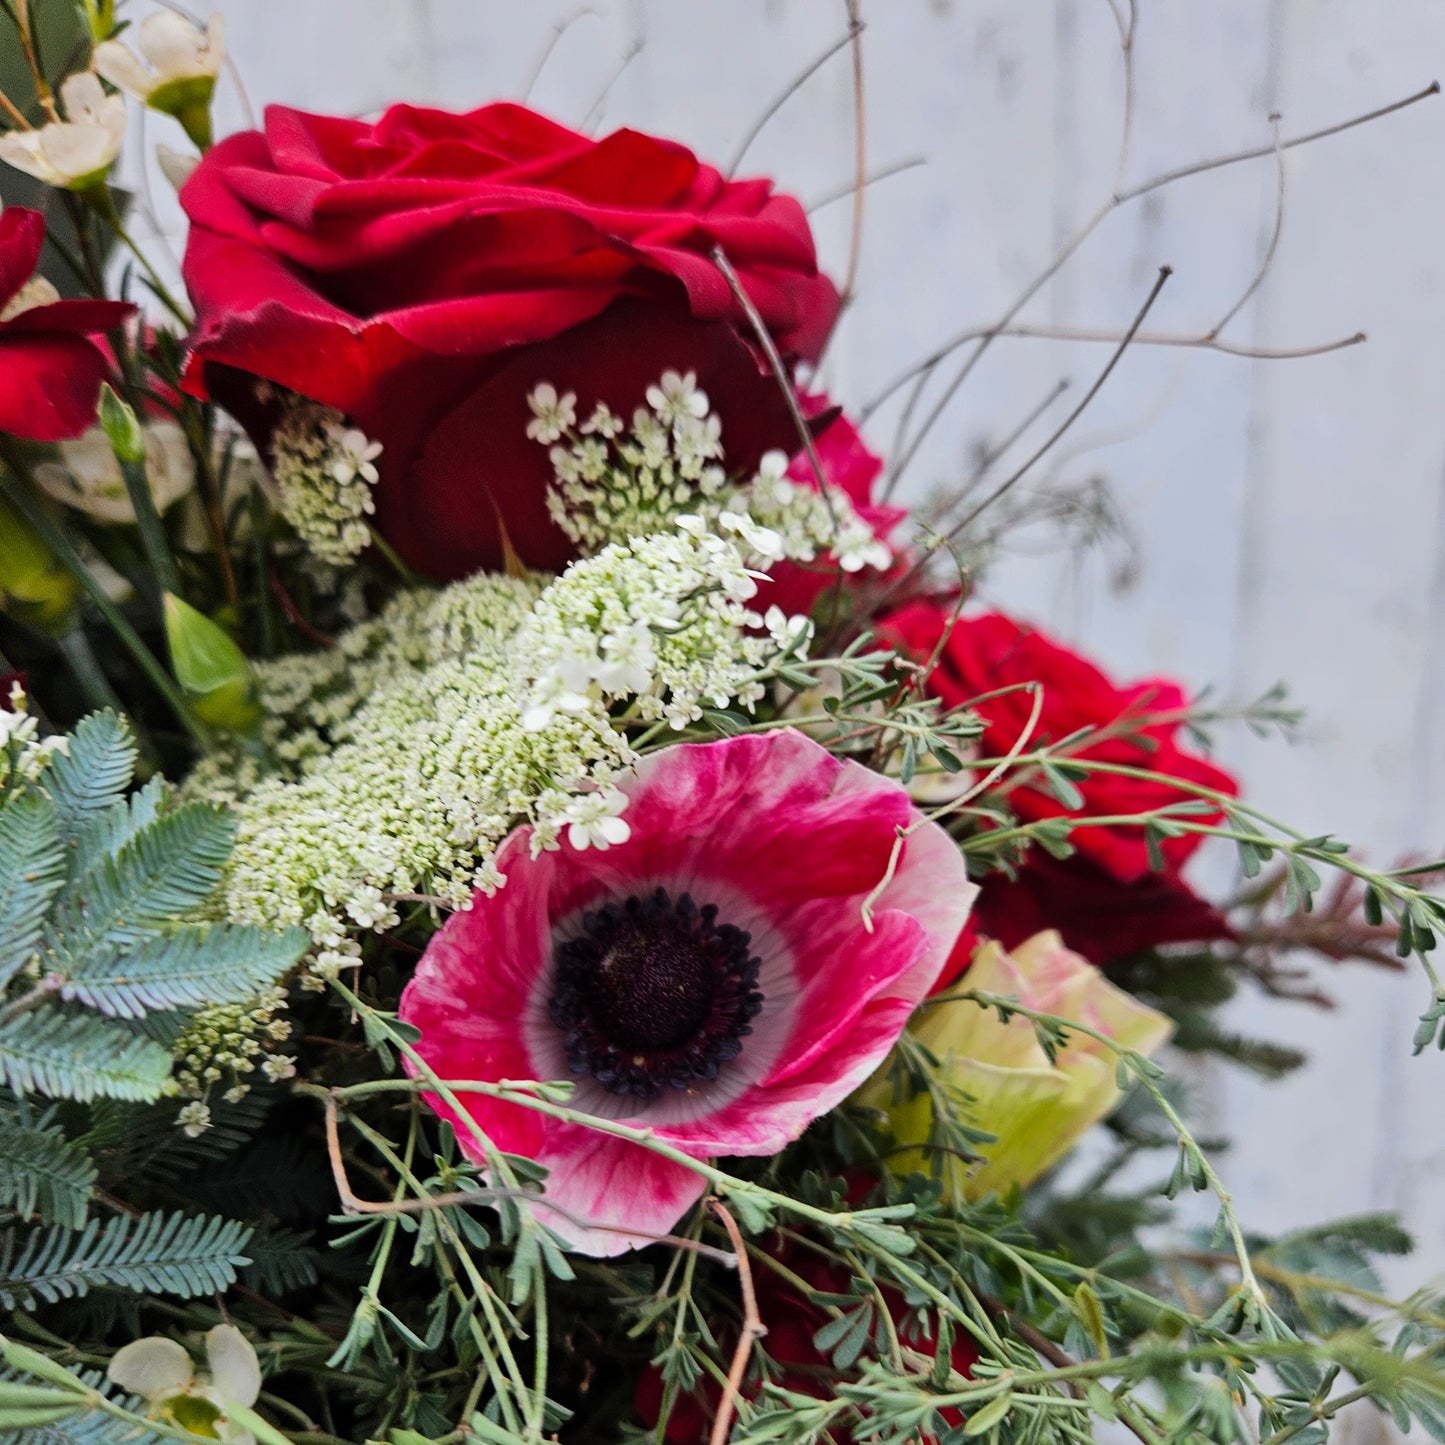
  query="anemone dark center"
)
[{"x": 654, "y": 993}]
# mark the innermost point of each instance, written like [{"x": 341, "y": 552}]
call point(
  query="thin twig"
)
[
  {"x": 753, "y": 1328},
  {"x": 559, "y": 30},
  {"x": 1205, "y": 341},
  {"x": 598, "y": 107},
  {"x": 985, "y": 335},
  {"x": 780, "y": 100},
  {"x": 1197, "y": 168},
  {"x": 352, "y": 1203},
  {"x": 860, "y": 152},
  {"x": 1267, "y": 260},
  {"x": 1017, "y": 475},
  {"x": 993, "y": 453},
  {"x": 770, "y": 350},
  {"x": 839, "y": 193}
]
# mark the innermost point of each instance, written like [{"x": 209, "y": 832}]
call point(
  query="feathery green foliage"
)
[
  {"x": 155, "y": 1253},
  {"x": 41, "y": 1171},
  {"x": 96, "y": 890}
]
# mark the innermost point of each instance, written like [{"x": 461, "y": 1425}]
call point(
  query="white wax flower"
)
[
  {"x": 77, "y": 152},
  {"x": 88, "y": 477},
  {"x": 181, "y": 62}
]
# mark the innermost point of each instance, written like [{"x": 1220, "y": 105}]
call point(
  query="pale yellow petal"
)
[
  {"x": 235, "y": 1371},
  {"x": 152, "y": 1367}
]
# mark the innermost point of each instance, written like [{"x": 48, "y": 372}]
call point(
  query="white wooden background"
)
[{"x": 1289, "y": 514}]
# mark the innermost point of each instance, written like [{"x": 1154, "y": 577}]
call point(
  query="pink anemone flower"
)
[{"x": 721, "y": 978}]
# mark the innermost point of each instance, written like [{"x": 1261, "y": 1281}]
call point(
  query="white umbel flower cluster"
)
[
  {"x": 614, "y": 482},
  {"x": 324, "y": 472},
  {"x": 409, "y": 752}
]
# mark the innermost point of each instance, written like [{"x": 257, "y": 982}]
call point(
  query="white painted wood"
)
[{"x": 1289, "y": 514}]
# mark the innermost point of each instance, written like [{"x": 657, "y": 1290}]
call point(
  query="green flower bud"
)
[
  {"x": 121, "y": 426},
  {"x": 213, "y": 671}
]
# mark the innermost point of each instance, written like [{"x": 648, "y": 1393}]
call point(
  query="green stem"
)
[
  {"x": 60, "y": 544},
  {"x": 152, "y": 533}
]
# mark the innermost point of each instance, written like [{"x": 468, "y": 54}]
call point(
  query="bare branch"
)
[
  {"x": 770, "y": 350},
  {"x": 839, "y": 193},
  {"x": 781, "y": 100},
  {"x": 559, "y": 30},
  {"x": 753, "y": 1329}
]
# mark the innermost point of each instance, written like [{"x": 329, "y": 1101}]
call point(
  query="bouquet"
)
[{"x": 534, "y": 902}]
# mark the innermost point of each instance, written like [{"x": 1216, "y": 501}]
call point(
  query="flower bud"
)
[
  {"x": 1000, "y": 1075},
  {"x": 34, "y": 586},
  {"x": 213, "y": 671},
  {"x": 122, "y": 429}
]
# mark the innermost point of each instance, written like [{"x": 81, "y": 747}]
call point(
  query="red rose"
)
[
  {"x": 792, "y": 1319},
  {"x": 991, "y": 651},
  {"x": 51, "y": 365},
  {"x": 423, "y": 273}
]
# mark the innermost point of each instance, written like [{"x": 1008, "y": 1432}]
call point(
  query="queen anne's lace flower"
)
[
  {"x": 613, "y": 482},
  {"x": 324, "y": 472},
  {"x": 702, "y": 979},
  {"x": 409, "y": 751}
]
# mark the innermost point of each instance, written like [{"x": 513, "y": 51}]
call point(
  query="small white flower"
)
[
  {"x": 552, "y": 415},
  {"x": 676, "y": 397},
  {"x": 603, "y": 422},
  {"x": 194, "y": 1119},
  {"x": 355, "y": 456},
  {"x": 370, "y": 910},
  {"x": 767, "y": 543},
  {"x": 184, "y": 61},
  {"x": 75, "y": 153},
  {"x": 594, "y": 822},
  {"x": 160, "y": 1370},
  {"x": 787, "y": 631},
  {"x": 565, "y": 687},
  {"x": 279, "y": 1066},
  {"x": 628, "y": 658},
  {"x": 857, "y": 547}
]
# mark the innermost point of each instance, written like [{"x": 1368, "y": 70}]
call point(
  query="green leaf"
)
[
  {"x": 77, "y": 1056},
  {"x": 161, "y": 873},
  {"x": 983, "y": 1420},
  {"x": 197, "y": 964},
  {"x": 32, "y": 871},
  {"x": 155, "y": 1253},
  {"x": 92, "y": 773},
  {"x": 24, "y": 1406},
  {"x": 41, "y": 1171}
]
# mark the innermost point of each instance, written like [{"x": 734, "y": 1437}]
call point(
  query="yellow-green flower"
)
[
  {"x": 999, "y": 1074},
  {"x": 160, "y": 1370}
]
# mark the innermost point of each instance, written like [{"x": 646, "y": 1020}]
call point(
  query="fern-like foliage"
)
[
  {"x": 41, "y": 1171},
  {"x": 155, "y": 1253},
  {"x": 96, "y": 890},
  {"x": 182, "y": 969},
  {"x": 282, "y": 1260},
  {"x": 32, "y": 870},
  {"x": 67, "y": 1055},
  {"x": 91, "y": 1427}
]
